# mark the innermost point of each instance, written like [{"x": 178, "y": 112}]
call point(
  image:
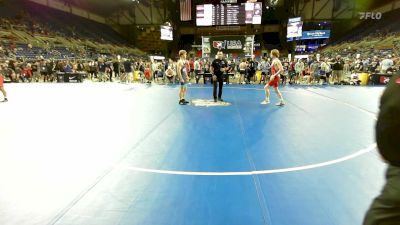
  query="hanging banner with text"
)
[{"x": 232, "y": 45}]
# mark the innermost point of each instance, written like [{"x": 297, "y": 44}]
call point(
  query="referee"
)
[
  {"x": 385, "y": 209},
  {"x": 218, "y": 68}
]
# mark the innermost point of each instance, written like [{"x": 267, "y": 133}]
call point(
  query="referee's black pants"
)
[{"x": 220, "y": 81}]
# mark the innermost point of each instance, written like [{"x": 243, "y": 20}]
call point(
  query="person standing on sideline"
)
[
  {"x": 218, "y": 69},
  {"x": 191, "y": 71},
  {"x": 299, "y": 68},
  {"x": 183, "y": 75},
  {"x": 117, "y": 70},
  {"x": 264, "y": 67},
  {"x": 325, "y": 68},
  {"x": 2, "y": 86},
  {"x": 128, "y": 70},
  {"x": 242, "y": 71},
  {"x": 386, "y": 63},
  {"x": 276, "y": 71},
  {"x": 385, "y": 209},
  {"x": 197, "y": 70},
  {"x": 251, "y": 71},
  {"x": 337, "y": 70}
]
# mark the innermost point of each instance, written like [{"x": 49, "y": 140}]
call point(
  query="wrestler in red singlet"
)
[
  {"x": 276, "y": 80},
  {"x": 276, "y": 70}
]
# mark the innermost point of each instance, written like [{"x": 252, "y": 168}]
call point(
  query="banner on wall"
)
[
  {"x": 312, "y": 34},
  {"x": 228, "y": 44},
  {"x": 316, "y": 34},
  {"x": 234, "y": 45},
  {"x": 312, "y": 47},
  {"x": 300, "y": 48}
]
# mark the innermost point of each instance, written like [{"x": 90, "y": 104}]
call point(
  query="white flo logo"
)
[{"x": 370, "y": 15}]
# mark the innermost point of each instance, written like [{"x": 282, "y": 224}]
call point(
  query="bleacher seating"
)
[
  {"x": 66, "y": 36},
  {"x": 388, "y": 23},
  {"x": 73, "y": 26},
  {"x": 149, "y": 39},
  {"x": 370, "y": 38}
]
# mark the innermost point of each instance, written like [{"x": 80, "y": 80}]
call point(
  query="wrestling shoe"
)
[{"x": 265, "y": 102}]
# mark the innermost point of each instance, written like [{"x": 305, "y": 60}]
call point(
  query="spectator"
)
[
  {"x": 49, "y": 67},
  {"x": 374, "y": 65},
  {"x": 251, "y": 69},
  {"x": 102, "y": 70},
  {"x": 197, "y": 69},
  {"x": 292, "y": 72},
  {"x": 386, "y": 64},
  {"x": 299, "y": 68},
  {"x": 128, "y": 70},
  {"x": 169, "y": 73},
  {"x": 191, "y": 65},
  {"x": 325, "y": 69},
  {"x": 68, "y": 67},
  {"x": 26, "y": 74},
  {"x": 337, "y": 69},
  {"x": 265, "y": 68},
  {"x": 116, "y": 68},
  {"x": 154, "y": 68},
  {"x": 243, "y": 71},
  {"x": 314, "y": 71}
]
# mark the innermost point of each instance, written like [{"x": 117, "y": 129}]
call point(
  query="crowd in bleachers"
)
[
  {"x": 372, "y": 47},
  {"x": 41, "y": 32},
  {"x": 18, "y": 41},
  {"x": 318, "y": 69},
  {"x": 342, "y": 70},
  {"x": 367, "y": 57},
  {"x": 32, "y": 49}
]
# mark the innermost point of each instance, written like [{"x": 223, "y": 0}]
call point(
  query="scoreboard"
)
[{"x": 228, "y": 14}]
